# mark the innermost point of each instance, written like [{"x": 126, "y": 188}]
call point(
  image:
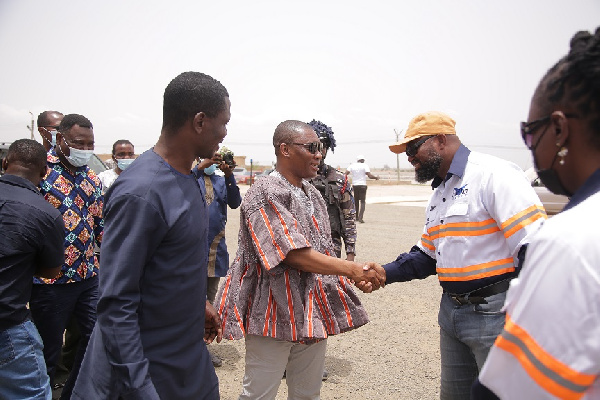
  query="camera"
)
[{"x": 227, "y": 156}]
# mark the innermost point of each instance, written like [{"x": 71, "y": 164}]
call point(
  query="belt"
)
[{"x": 478, "y": 296}]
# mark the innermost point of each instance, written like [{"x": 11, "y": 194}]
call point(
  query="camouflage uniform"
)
[{"x": 337, "y": 192}]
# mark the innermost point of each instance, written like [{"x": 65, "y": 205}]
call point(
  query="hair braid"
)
[{"x": 575, "y": 80}]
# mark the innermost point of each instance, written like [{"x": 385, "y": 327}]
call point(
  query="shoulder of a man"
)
[{"x": 34, "y": 202}]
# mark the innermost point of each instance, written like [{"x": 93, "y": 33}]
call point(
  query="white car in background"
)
[{"x": 553, "y": 203}]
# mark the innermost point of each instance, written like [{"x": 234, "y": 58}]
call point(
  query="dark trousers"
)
[
  {"x": 360, "y": 194},
  {"x": 51, "y": 307}
]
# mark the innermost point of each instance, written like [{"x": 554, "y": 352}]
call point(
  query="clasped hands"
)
[{"x": 372, "y": 277}]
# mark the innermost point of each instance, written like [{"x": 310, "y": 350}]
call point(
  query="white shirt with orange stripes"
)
[
  {"x": 550, "y": 345},
  {"x": 478, "y": 219}
]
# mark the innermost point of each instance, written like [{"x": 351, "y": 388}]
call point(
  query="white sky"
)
[{"x": 364, "y": 68}]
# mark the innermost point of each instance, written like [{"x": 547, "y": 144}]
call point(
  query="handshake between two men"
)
[
  {"x": 366, "y": 276},
  {"x": 373, "y": 277}
]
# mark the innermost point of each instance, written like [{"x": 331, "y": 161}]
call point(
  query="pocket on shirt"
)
[{"x": 458, "y": 209}]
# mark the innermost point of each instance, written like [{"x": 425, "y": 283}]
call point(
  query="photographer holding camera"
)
[{"x": 219, "y": 192}]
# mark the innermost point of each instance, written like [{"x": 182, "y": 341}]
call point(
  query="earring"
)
[{"x": 562, "y": 154}]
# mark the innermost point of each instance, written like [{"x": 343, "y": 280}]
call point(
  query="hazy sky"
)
[{"x": 364, "y": 68}]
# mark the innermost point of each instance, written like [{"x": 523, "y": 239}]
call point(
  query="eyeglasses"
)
[
  {"x": 312, "y": 147},
  {"x": 55, "y": 128},
  {"x": 528, "y": 129},
  {"x": 412, "y": 148}
]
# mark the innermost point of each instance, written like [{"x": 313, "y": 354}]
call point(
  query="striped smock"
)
[{"x": 261, "y": 294}]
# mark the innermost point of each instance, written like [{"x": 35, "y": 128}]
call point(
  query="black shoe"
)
[
  {"x": 325, "y": 375},
  {"x": 216, "y": 361},
  {"x": 360, "y": 220}
]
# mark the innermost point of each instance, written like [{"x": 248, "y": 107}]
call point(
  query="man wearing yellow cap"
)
[{"x": 480, "y": 214}]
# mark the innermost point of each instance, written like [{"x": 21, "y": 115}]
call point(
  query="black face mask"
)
[{"x": 549, "y": 178}]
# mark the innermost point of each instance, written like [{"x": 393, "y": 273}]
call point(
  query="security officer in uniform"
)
[{"x": 337, "y": 192}]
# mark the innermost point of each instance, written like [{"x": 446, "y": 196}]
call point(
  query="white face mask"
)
[
  {"x": 123, "y": 163},
  {"x": 78, "y": 158},
  {"x": 52, "y": 133}
]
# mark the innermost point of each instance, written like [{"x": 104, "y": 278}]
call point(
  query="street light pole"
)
[
  {"x": 31, "y": 127},
  {"x": 398, "y": 155}
]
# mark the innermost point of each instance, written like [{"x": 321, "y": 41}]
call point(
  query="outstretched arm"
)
[{"x": 309, "y": 260}]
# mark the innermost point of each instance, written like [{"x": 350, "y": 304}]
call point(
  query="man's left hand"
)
[
  {"x": 212, "y": 324},
  {"x": 226, "y": 168}
]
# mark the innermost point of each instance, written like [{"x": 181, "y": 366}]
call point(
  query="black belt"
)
[{"x": 478, "y": 296}]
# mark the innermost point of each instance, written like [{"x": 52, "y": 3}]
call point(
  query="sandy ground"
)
[{"x": 396, "y": 355}]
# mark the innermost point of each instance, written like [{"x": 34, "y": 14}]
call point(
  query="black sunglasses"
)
[
  {"x": 412, "y": 148},
  {"x": 312, "y": 147},
  {"x": 528, "y": 129}
]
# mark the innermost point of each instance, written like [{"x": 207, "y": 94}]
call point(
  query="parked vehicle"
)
[
  {"x": 247, "y": 178},
  {"x": 238, "y": 173},
  {"x": 553, "y": 203},
  {"x": 96, "y": 164},
  {"x": 3, "y": 151}
]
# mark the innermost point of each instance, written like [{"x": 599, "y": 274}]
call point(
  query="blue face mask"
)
[
  {"x": 210, "y": 170},
  {"x": 123, "y": 163}
]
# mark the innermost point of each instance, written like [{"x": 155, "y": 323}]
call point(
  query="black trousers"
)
[{"x": 360, "y": 194}]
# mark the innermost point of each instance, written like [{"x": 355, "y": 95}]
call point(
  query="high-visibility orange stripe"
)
[
  {"x": 524, "y": 223},
  {"x": 472, "y": 224},
  {"x": 476, "y": 267},
  {"x": 480, "y": 232},
  {"x": 348, "y": 314},
  {"x": 426, "y": 243},
  {"x": 521, "y": 214},
  {"x": 258, "y": 247},
  {"x": 268, "y": 224},
  {"x": 290, "y": 300},
  {"x": 477, "y": 276},
  {"x": 283, "y": 224},
  {"x": 545, "y": 358}
]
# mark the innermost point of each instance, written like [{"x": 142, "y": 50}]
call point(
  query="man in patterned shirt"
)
[
  {"x": 75, "y": 190},
  {"x": 286, "y": 292}
]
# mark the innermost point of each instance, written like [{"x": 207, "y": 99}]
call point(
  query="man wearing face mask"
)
[
  {"x": 75, "y": 190},
  {"x": 219, "y": 192},
  {"x": 123, "y": 155},
  {"x": 48, "y": 122}
]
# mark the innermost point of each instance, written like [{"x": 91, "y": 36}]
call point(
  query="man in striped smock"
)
[
  {"x": 286, "y": 292},
  {"x": 482, "y": 211}
]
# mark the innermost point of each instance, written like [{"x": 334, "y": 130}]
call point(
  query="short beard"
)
[{"x": 430, "y": 168}]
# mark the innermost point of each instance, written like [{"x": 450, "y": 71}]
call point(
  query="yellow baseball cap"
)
[{"x": 426, "y": 124}]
